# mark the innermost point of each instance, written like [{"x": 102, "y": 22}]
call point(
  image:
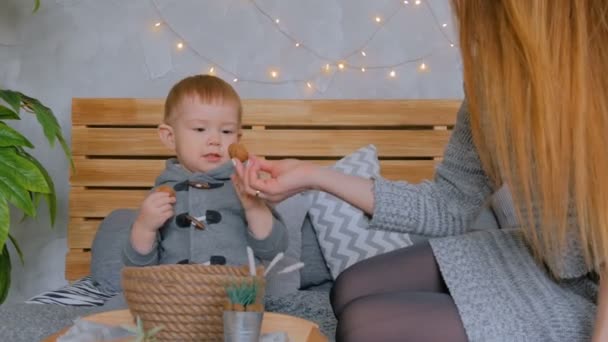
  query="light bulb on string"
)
[
  {"x": 309, "y": 85},
  {"x": 418, "y": 2},
  {"x": 235, "y": 80},
  {"x": 274, "y": 74},
  {"x": 157, "y": 24},
  {"x": 297, "y": 44},
  {"x": 362, "y": 69},
  {"x": 444, "y": 25},
  {"x": 211, "y": 71},
  {"x": 406, "y": 2},
  {"x": 180, "y": 45},
  {"x": 378, "y": 19},
  {"x": 393, "y": 74},
  {"x": 341, "y": 66},
  {"x": 363, "y": 53},
  {"x": 277, "y": 21},
  {"x": 423, "y": 67}
]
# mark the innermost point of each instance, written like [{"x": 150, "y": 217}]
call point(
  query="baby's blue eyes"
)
[{"x": 226, "y": 131}]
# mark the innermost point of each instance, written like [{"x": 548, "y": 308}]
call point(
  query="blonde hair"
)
[
  {"x": 207, "y": 88},
  {"x": 535, "y": 80}
]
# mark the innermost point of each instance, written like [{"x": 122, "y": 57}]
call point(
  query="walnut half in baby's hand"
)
[
  {"x": 238, "y": 151},
  {"x": 167, "y": 189}
]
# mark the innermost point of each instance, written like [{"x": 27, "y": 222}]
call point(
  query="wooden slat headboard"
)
[{"x": 118, "y": 155}]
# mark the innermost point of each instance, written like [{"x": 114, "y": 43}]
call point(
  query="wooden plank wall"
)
[{"x": 118, "y": 155}]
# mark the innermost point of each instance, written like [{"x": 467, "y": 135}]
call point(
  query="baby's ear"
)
[{"x": 165, "y": 132}]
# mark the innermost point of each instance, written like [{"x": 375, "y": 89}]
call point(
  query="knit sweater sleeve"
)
[
  {"x": 444, "y": 206},
  {"x": 274, "y": 243}
]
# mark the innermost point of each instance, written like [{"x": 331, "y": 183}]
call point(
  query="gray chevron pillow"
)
[{"x": 341, "y": 228}]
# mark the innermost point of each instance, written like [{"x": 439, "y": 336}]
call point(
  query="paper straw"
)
[
  {"x": 274, "y": 261},
  {"x": 292, "y": 268},
  {"x": 251, "y": 261}
]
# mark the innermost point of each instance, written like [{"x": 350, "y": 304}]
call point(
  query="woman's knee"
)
[{"x": 341, "y": 293}]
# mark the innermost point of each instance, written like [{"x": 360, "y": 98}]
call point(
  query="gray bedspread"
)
[{"x": 33, "y": 322}]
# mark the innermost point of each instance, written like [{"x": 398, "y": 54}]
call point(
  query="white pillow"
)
[{"x": 341, "y": 228}]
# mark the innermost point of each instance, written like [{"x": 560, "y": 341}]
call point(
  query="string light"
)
[{"x": 344, "y": 64}]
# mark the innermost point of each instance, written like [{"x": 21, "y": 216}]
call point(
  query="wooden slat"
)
[
  {"x": 413, "y": 171},
  {"x": 305, "y": 143},
  {"x": 100, "y": 202},
  {"x": 142, "y": 173},
  {"x": 137, "y": 112},
  {"x": 116, "y": 172},
  {"x": 77, "y": 264},
  {"x": 81, "y": 232}
]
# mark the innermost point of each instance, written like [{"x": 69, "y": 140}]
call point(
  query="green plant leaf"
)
[
  {"x": 49, "y": 123},
  {"x": 14, "y": 242},
  {"x": 5, "y": 220},
  {"x": 13, "y": 98},
  {"x": 45, "y": 117},
  {"x": 5, "y": 274},
  {"x": 16, "y": 195},
  {"x": 36, "y": 6},
  {"x": 5, "y": 260},
  {"x": 22, "y": 171},
  {"x": 66, "y": 151},
  {"x": 51, "y": 197},
  {"x": 10, "y": 137},
  {"x": 8, "y": 114}
]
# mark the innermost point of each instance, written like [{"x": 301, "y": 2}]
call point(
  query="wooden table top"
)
[{"x": 298, "y": 329}]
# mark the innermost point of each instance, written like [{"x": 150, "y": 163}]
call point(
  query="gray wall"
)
[{"x": 110, "y": 48}]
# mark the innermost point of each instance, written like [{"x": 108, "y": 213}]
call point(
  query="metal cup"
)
[{"x": 242, "y": 326}]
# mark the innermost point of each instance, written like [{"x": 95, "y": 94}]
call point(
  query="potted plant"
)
[
  {"x": 23, "y": 180},
  {"x": 243, "y": 311}
]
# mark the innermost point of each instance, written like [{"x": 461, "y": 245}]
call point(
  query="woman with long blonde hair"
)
[{"x": 535, "y": 124}]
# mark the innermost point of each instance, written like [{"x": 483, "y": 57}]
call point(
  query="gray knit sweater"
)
[
  {"x": 198, "y": 194},
  {"x": 502, "y": 294}
]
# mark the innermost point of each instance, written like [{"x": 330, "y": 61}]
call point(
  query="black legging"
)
[{"x": 397, "y": 296}]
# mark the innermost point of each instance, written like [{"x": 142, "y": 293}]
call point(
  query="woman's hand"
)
[{"x": 287, "y": 177}]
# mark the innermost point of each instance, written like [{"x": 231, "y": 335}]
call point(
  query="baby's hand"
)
[{"x": 155, "y": 210}]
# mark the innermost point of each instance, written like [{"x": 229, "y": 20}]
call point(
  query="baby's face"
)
[{"x": 203, "y": 132}]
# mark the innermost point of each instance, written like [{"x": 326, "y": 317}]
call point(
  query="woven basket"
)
[{"x": 188, "y": 300}]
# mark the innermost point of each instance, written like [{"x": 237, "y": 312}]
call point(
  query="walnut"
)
[
  {"x": 238, "y": 151},
  {"x": 167, "y": 189}
]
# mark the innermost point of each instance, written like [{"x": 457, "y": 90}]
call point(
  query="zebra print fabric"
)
[{"x": 83, "y": 292}]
